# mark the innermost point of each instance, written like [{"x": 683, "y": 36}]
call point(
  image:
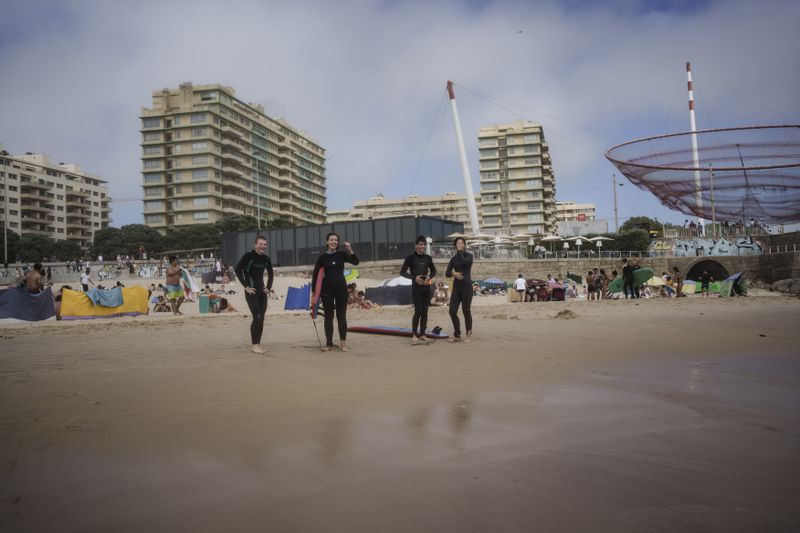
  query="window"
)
[
  {"x": 151, "y": 123},
  {"x": 153, "y": 206},
  {"x": 151, "y": 219},
  {"x": 202, "y": 145},
  {"x": 531, "y": 138},
  {"x": 152, "y": 164},
  {"x": 200, "y": 215},
  {"x": 200, "y": 202},
  {"x": 152, "y": 178},
  {"x": 533, "y": 172},
  {"x": 152, "y": 137},
  {"x": 199, "y": 160},
  {"x": 198, "y": 117},
  {"x": 198, "y": 132},
  {"x": 199, "y": 173},
  {"x": 179, "y": 216},
  {"x": 153, "y": 191},
  {"x": 152, "y": 149},
  {"x": 199, "y": 187},
  {"x": 490, "y": 186},
  {"x": 206, "y": 97},
  {"x": 533, "y": 184},
  {"x": 531, "y": 149}
]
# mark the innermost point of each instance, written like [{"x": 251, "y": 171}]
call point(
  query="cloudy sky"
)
[{"x": 366, "y": 79}]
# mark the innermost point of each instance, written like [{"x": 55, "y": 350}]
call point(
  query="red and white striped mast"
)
[
  {"x": 473, "y": 210},
  {"x": 695, "y": 156}
]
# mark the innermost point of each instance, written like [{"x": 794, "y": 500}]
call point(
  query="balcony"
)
[
  {"x": 232, "y": 132},
  {"x": 32, "y": 231},
  {"x": 233, "y": 210},
  {"x": 31, "y": 195},
  {"x": 28, "y": 183},
  {"x": 36, "y": 208},
  {"x": 232, "y": 155},
  {"x": 79, "y": 193},
  {"x": 233, "y": 171}
]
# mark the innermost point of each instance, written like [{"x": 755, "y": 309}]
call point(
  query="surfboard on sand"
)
[
  {"x": 392, "y": 330},
  {"x": 315, "y": 296}
]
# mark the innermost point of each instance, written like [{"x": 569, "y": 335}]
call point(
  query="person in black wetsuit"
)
[
  {"x": 460, "y": 267},
  {"x": 418, "y": 267},
  {"x": 250, "y": 272},
  {"x": 334, "y": 288}
]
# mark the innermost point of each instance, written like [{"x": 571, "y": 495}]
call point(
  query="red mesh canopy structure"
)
[{"x": 756, "y": 172}]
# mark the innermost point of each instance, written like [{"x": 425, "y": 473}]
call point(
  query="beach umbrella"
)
[
  {"x": 456, "y": 235},
  {"x": 493, "y": 281},
  {"x": 551, "y": 239},
  {"x": 601, "y": 238},
  {"x": 521, "y": 237},
  {"x": 481, "y": 236},
  {"x": 655, "y": 281}
]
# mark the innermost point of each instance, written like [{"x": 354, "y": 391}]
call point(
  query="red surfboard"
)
[{"x": 315, "y": 296}]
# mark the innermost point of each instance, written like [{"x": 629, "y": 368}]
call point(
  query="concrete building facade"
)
[
  {"x": 205, "y": 153},
  {"x": 448, "y": 206},
  {"x": 55, "y": 200},
  {"x": 571, "y": 211},
  {"x": 516, "y": 179}
]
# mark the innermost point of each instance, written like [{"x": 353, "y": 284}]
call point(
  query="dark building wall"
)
[{"x": 372, "y": 240}]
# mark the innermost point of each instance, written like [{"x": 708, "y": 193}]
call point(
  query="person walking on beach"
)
[
  {"x": 174, "y": 290},
  {"x": 250, "y": 272},
  {"x": 334, "y": 288},
  {"x": 418, "y": 267},
  {"x": 460, "y": 268},
  {"x": 705, "y": 282},
  {"x": 86, "y": 280}
]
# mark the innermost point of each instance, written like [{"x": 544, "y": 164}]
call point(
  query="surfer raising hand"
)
[{"x": 330, "y": 265}]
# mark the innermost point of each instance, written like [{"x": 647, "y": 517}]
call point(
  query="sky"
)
[{"x": 366, "y": 80}]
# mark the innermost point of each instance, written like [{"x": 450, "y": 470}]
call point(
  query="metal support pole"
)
[
  {"x": 3, "y": 154},
  {"x": 713, "y": 213},
  {"x": 616, "y": 220}
]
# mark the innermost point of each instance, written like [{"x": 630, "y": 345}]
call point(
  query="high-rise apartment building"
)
[
  {"x": 449, "y": 206},
  {"x": 59, "y": 201},
  {"x": 206, "y": 153},
  {"x": 516, "y": 177}
]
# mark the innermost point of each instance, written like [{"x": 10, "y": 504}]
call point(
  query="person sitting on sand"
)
[
  {"x": 161, "y": 305},
  {"x": 440, "y": 296}
]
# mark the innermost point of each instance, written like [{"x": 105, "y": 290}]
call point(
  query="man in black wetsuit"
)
[
  {"x": 334, "y": 288},
  {"x": 627, "y": 278},
  {"x": 418, "y": 267},
  {"x": 460, "y": 267},
  {"x": 250, "y": 272}
]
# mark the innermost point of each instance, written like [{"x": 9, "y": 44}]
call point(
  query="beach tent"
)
[
  {"x": 396, "y": 295},
  {"x": 640, "y": 277},
  {"x": 19, "y": 304},
  {"x": 298, "y": 298},
  {"x": 75, "y": 305},
  {"x": 395, "y": 282},
  {"x": 733, "y": 285}
]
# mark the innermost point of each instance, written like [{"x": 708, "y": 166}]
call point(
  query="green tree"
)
[
  {"x": 230, "y": 223},
  {"x": 34, "y": 248},
  {"x": 66, "y": 250},
  {"x": 280, "y": 222},
  {"x": 109, "y": 242},
  {"x": 641, "y": 222},
  {"x": 635, "y": 240},
  {"x": 136, "y": 236},
  {"x": 193, "y": 237},
  {"x": 13, "y": 243}
]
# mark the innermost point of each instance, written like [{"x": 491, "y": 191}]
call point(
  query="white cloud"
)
[{"x": 365, "y": 79}]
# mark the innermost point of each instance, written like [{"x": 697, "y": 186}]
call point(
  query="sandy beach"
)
[{"x": 655, "y": 415}]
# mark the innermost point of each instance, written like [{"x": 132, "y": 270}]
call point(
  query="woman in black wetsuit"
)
[
  {"x": 334, "y": 288},
  {"x": 250, "y": 272},
  {"x": 460, "y": 267}
]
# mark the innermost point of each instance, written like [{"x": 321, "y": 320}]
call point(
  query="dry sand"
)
[{"x": 659, "y": 415}]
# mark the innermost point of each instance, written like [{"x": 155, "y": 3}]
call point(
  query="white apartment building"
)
[
  {"x": 516, "y": 178},
  {"x": 56, "y": 200},
  {"x": 205, "y": 153},
  {"x": 449, "y": 206},
  {"x": 570, "y": 211}
]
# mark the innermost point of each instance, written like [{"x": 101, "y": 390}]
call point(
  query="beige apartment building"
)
[
  {"x": 450, "y": 206},
  {"x": 571, "y": 211},
  {"x": 56, "y": 200},
  {"x": 516, "y": 177},
  {"x": 206, "y": 153}
]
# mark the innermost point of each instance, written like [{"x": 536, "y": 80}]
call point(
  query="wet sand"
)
[{"x": 662, "y": 415}]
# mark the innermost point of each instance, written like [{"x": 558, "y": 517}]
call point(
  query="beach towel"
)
[
  {"x": 75, "y": 305},
  {"x": 189, "y": 285},
  {"x": 19, "y": 304},
  {"x": 105, "y": 297}
]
